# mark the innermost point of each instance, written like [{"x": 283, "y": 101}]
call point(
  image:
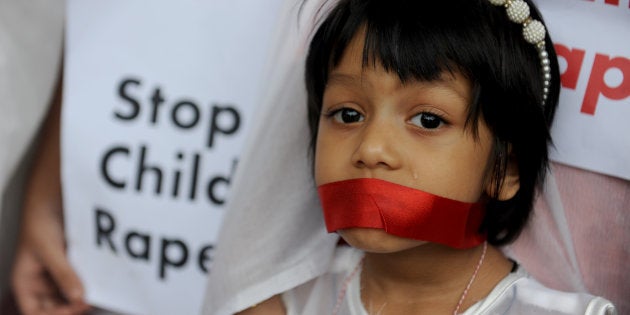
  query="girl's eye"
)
[
  {"x": 427, "y": 120},
  {"x": 347, "y": 116}
]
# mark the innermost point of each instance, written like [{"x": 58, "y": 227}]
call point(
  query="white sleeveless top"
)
[{"x": 517, "y": 293}]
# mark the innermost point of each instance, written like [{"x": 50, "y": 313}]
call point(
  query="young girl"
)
[{"x": 430, "y": 124}]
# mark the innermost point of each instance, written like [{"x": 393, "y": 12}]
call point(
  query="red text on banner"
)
[{"x": 597, "y": 85}]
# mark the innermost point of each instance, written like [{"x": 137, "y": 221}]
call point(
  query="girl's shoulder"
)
[{"x": 520, "y": 293}]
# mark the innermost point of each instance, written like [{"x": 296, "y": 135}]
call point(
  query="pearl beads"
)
[
  {"x": 534, "y": 32},
  {"x": 518, "y": 11},
  {"x": 498, "y": 2}
]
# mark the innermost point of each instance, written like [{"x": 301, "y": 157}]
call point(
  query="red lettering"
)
[
  {"x": 574, "y": 58},
  {"x": 611, "y": 2},
  {"x": 597, "y": 85},
  {"x": 607, "y": 1}
]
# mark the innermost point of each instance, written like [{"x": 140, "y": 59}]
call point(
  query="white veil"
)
[
  {"x": 579, "y": 236},
  {"x": 272, "y": 237}
]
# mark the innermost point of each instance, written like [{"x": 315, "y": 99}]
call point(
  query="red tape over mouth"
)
[{"x": 401, "y": 211}]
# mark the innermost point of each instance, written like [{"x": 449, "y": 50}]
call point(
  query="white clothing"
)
[
  {"x": 517, "y": 293},
  {"x": 31, "y": 35}
]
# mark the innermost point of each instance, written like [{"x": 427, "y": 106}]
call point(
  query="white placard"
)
[
  {"x": 591, "y": 129},
  {"x": 157, "y": 99}
]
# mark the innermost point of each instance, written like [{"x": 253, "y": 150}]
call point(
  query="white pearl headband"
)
[{"x": 534, "y": 33}]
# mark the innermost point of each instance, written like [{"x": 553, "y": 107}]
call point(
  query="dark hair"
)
[{"x": 418, "y": 40}]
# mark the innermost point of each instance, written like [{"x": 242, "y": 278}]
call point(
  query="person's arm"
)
[
  {"x": 42, "y": 279},
  {"x": 272, "y": 306}
]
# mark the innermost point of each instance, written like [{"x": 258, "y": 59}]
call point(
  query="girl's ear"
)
[{"x": 511, "y": 181}]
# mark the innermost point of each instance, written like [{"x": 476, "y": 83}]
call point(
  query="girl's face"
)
[{"x": 412, "y": 134}]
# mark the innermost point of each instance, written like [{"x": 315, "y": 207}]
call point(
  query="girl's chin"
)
[{"x": 377, "y": 240}]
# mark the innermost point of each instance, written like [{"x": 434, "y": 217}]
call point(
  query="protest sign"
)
[
  {"x": 591, "y": 129},
  {"x": 158, "y": 97}
]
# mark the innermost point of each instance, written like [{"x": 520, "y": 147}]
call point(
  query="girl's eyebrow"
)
[
  {"x": 445, "y": 83},
  {"x": 338, "y": 78}
]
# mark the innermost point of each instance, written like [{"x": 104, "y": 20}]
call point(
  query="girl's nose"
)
[{"x": 377, "y": 147}]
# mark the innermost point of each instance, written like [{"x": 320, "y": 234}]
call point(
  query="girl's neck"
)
[{"x": 429, "y": 279}]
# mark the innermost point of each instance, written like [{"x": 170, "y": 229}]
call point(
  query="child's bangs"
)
[{"x": 412, "y": 41}]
